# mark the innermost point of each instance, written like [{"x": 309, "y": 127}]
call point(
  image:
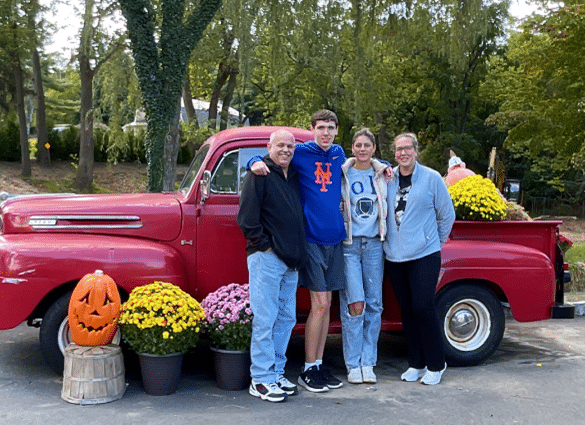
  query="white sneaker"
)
[
  {"x": 269, "y": 392},
  {"x": 369, "y": 375},
  {"x": 432, "y": 378},
  {"x": 354, "y": 376},
  {"x": 412, "y": 374},
  {"x": 285, "y": 385}
]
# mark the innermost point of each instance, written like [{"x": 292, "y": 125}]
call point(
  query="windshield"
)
[{"x": 193, "y": 169}]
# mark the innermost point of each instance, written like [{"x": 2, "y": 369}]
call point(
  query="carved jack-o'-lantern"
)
[{"x": 94, "y": 309}]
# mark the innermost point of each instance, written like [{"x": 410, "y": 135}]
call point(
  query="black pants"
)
[{"x": 414, "y": 284}]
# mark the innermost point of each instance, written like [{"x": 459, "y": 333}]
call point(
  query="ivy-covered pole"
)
[{"x": 161, "y": 67}]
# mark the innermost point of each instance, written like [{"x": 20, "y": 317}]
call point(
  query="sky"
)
[
  {"x": 67, "y": 25},
  {"x": 520, "y": 9}
]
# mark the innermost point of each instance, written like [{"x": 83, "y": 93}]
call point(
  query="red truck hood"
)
[{"x": 149, "y": 215}]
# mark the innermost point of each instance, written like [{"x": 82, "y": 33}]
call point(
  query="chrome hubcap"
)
[{"x": 467, "y": 324}]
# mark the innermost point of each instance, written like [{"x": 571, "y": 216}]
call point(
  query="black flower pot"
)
[{"x": 160, "y": 374}]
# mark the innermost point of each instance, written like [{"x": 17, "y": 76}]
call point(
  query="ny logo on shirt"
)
[{"x": 323, "y": 177}]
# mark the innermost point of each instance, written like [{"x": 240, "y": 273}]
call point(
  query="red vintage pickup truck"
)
[{"x": 190, "y": 238}]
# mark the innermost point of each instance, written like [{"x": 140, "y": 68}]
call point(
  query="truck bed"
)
[{"x": 539, "y": 235}]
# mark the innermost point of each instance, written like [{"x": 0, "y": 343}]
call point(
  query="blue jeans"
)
[
  {"x": 364, "y": 270},
  {"x": 273, "y": 289}
]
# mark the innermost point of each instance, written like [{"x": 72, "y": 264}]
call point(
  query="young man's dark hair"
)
[{"x": 324, "y": 115}]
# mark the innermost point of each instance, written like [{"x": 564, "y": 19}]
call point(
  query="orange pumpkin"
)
[
  {"x": 456, "y": 170},
  {"x": 458, "y": 173},
  {"x": 94, "y": 309}
]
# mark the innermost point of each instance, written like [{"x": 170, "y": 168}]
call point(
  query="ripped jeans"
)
[{"x": 364, "y": 270}]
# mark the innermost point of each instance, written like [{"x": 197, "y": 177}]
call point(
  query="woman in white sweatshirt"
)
[{"x": 364, "y": 211}]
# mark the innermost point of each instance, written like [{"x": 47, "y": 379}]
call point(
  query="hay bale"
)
[
  {"x": 516, "y": 212},
  {"x": 577, "y": 282}
]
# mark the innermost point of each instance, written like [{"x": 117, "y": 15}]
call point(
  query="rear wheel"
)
[{"x": 472, "y": 320}]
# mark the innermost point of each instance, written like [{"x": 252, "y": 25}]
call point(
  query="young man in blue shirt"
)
[{"x": 318, "y": 164}]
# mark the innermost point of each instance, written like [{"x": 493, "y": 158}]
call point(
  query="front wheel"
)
[
  {"x": 55, "y": 334},
  {"x": 472, "y": 320}
]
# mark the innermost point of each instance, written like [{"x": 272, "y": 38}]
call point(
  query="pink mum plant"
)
[{"x": 229, "y": 317}]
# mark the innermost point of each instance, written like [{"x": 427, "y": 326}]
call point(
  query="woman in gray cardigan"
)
[{"x": 420, "y": 217}]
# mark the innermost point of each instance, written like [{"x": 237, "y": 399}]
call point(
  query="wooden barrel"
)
[{"x": 93, "y": 375}]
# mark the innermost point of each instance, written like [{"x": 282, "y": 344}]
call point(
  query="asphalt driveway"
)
[{"x": 535, "y": 377}]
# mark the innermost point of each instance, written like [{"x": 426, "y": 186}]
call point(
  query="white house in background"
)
[
  {"x": 201, "y": 111},
  {"x": 59, "y": 128},
  {"x": 139, "y": 122}
]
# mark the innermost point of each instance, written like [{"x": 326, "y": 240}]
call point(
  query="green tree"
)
[
  {"x": 95, "y": 48},
  {"x": 63, "y": 96},
  {"x": 17, "y": 41},
  {"x": 299, "y": 57},
  {"x": 391, "y": 66},
  {"x": 116, "y": 99},
  {"x": 43, "y": 155},
  {"x": 541, "y": 86},
  {"x": 220, "y": 65},
  {"x": 428, "y": 61},
  {"x": 162, "y": 38},
  {"x": 39, "y": 27}
]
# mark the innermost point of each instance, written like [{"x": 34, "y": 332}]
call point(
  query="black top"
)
[
  {"x": 271, "y": 215},
  {"x": 404, "y": 185}
]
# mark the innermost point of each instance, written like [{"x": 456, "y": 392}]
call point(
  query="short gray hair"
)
[
  {"x": 282, "y": 133},
  {"x": 411, "y": 136}
]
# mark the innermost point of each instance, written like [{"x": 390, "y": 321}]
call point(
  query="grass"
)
[
  {"x": 63, "y": 186},
  {"x": 51, "y": 186},
  {"x": 575, "y": 254}
]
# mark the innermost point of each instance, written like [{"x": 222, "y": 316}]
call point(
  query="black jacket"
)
[{"x": 271, "y": 215}]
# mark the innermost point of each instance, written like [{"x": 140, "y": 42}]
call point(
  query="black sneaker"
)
[
  {"x": 268, "y": 392},
  {"x": 330, "y": 380},
  {"x": 312, "y": 380},
  {"x": 285, "y": 385}
]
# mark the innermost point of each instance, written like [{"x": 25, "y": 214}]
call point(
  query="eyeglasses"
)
[{"x": 404, "y": 149}]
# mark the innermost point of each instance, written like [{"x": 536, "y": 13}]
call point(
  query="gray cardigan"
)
[{"x": 427, "y": 220}]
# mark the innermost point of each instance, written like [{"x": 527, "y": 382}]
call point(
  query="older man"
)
[{"x": 271, "y": 218}]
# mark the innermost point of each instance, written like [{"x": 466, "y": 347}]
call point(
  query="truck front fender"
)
[{"x": 33, "y": 265}]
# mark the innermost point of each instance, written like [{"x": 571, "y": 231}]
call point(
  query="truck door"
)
[{"x": 221, "y": 257}]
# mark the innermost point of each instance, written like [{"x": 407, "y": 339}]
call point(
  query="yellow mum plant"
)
[
  {"x": 476, "y": 198},
  {"x": 160, "y": 318}
]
